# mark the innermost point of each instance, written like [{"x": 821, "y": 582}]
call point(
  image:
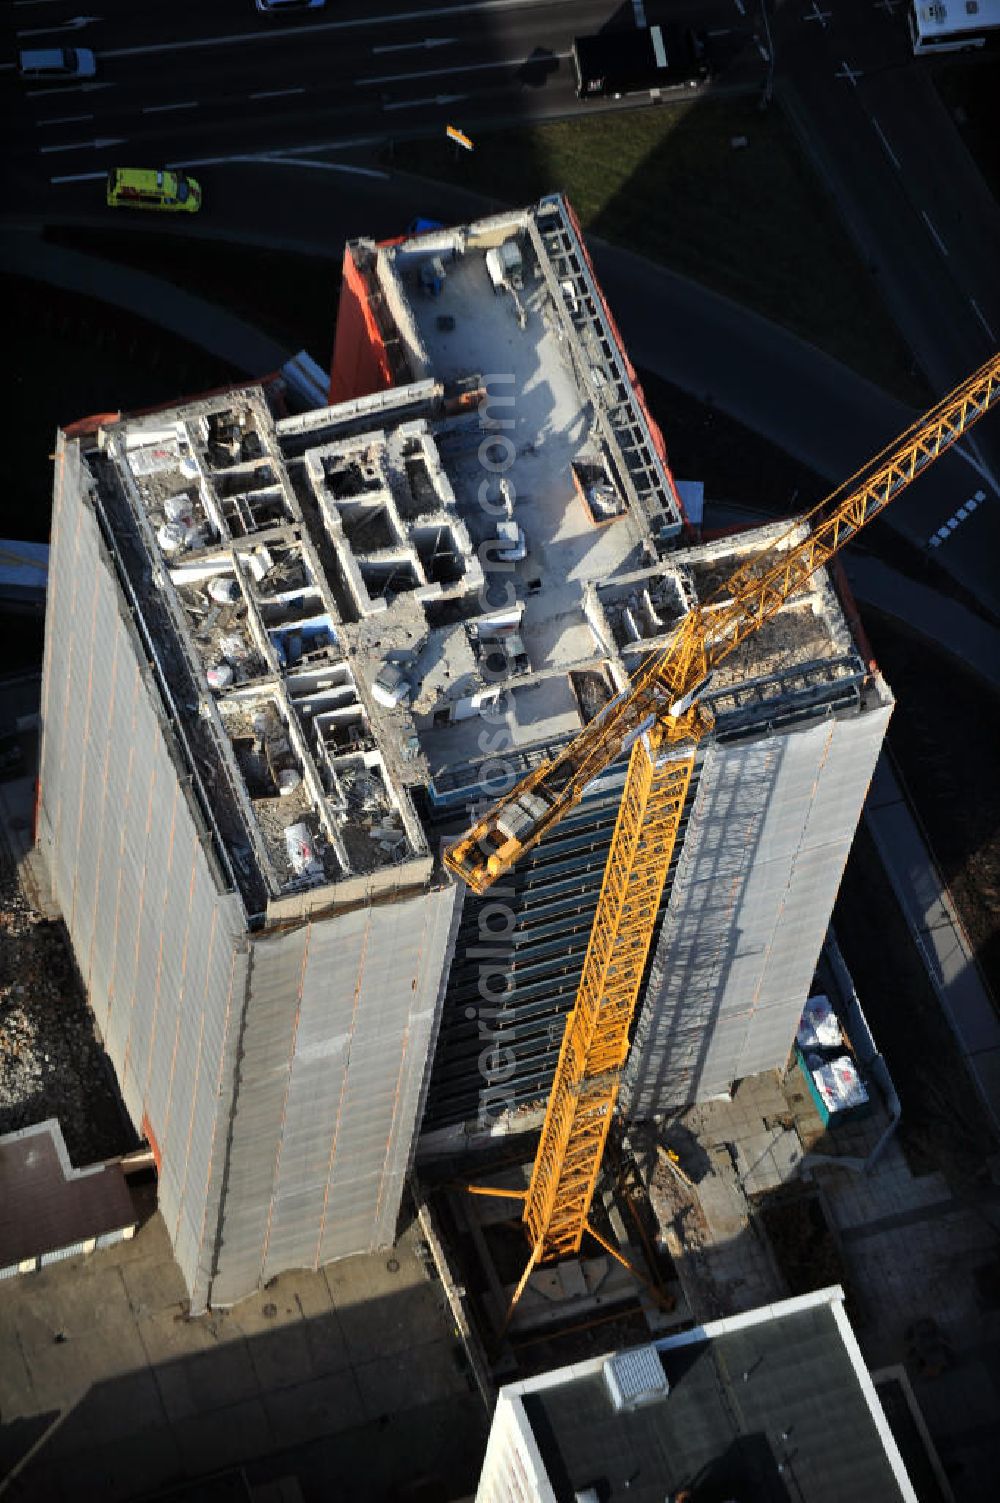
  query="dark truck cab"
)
[{"x": 630, "y": 62}]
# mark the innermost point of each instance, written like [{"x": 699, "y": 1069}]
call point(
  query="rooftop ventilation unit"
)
[{"x": 635, "y": 1378}]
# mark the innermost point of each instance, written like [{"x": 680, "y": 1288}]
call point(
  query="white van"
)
[{"x": 57, "y": 63}]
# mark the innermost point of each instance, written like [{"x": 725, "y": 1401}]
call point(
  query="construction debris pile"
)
[{"x": 51, "y": 1063}]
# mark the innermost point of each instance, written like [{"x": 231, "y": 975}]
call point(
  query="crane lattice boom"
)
[
  {"x": 752, "y": 595},
  {"x": 661, "y": 719}
]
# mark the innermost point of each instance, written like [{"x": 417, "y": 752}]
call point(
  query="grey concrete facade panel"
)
[
  {"x": 767, "y": 841},
  {"x": 342, "y": 1016},
  {"x": 153, "y": 937}
]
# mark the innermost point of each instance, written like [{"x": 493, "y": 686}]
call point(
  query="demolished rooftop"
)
[{"x": 334, "y": 602}]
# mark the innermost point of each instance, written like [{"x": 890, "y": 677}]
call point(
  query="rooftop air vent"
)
[{"x": 635, "y": 1377}]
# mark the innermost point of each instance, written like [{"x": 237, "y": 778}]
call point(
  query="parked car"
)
[
  {"x": 153, "y": 188},
  {"x": 57, "y": 63}
]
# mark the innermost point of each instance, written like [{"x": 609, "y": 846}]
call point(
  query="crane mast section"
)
[
  {"x": 596, "y": 1041},
  {"x": 661, "y": 691}
]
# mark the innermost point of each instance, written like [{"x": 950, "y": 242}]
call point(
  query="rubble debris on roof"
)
[{"x": 343, "y": 603}]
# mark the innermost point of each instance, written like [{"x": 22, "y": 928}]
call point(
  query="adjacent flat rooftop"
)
[
  {"x": 773, "y": 1404},
  {"x": 340, "y": 607}
]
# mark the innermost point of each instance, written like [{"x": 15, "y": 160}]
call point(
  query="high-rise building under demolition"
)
[{"x": 285, "y": 653}]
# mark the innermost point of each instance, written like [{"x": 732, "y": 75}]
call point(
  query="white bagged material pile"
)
[
  {"x": 819, "y": 1027},
  {"x": 223, "y": 589},
  {"x": 301, "y": 850},
  {"x": 837, "y": 1081},
  {"x": 181, "y": 529}
]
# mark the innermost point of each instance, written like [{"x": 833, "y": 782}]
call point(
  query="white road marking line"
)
[
  {"x": 79, "y": 177},
  {"x": 822, "y": 16},
  {"x": 97, "y": 145},
  {"x": 277, "y": 93},
  {"x": 346, "y": 143},
  {"x": 851, "y": 74},
  {"x": 64, "y": 89},
  {"x": 268, "y": 33},
  {"x": 889, "y": 151},
  {"x": 939, "y": 242},
  {"x": 978, "y": 312},
  {"x": 77, "y": 24},
  {"x": 417, "y": 46},
  {"x": 720, "y": 31},
  {"x": 957, "y": 517},
  {"x": 64, "y": 120},
  {"x": 741, "y": 7},
  {"x": 321, "y": 166},
  {"x": 639, "y": 11},
  {"x": 502, "y": 62},
  {"x": 437, "y": 99},
  {"x": 162, "y": 109}
]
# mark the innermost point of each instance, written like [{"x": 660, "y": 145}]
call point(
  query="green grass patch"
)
[
  {"x": 750, "y": 222},
  {"x": 970, "y": 89}
]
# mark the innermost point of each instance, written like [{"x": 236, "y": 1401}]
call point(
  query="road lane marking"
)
[
  {"x": 278, "y": 93},
  {"x": 939, "y": 242},
  {"x": 503, "y": 62},
  {"x": 822, "y": 16},
  {"x": 889, "y": 151},
  {"x": 77, "y": 24},
  {"x": 268, "y": 33},
  {"x": 965, "y": 511},
  {"x": 283, "y": 161},
  {"x": 63, "y": 89},
  {"x": 979, "y": 314},
  {"x": 741, "y": 7},
  {"x": 79, "y": 177},
  {"x": 438, "y": 99},
  {"x": 417, "y": 46},
  {"x": 64, "y": 120},
  {"x": 162, "y": 109},
  {"x": 98, "y": 145},
  {"x": 851, "y": 74},
  {"x": 639, "y": 11}
]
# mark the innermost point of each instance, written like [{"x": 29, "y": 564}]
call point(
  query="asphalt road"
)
[
  {"x": 890, "y": 154},
  {"x": 199, "y": 83}
]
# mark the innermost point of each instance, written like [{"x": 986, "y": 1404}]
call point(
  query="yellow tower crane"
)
[{"x": 660, "y": 718}]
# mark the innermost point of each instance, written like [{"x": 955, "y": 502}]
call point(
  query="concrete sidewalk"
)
[
  {"x": 938, "y": 933},
  {"x": 346, "y": 1379}
]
